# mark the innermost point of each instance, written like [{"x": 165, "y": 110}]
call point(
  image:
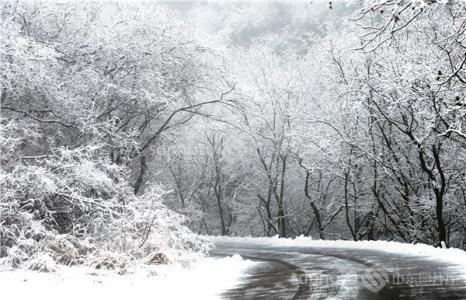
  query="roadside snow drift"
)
[{"x": 205, "y": 279}]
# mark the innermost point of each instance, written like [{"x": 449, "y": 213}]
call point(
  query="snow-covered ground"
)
[
  {"x": 205, "y": 279},
  {"x": 451, "y": 255}
]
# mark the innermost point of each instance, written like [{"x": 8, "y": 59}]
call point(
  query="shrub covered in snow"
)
[
  {"x": 42, "y": 262},
  {"x": 75, "y": 206},
  {"x": 75, "y": 132}
]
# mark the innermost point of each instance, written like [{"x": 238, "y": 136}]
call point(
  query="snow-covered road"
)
[
  {"x": 296, "y": 270},
  {"x": 270, "y": 268}
]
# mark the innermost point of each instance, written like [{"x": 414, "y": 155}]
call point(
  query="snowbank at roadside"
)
[
  {"x": 451, "y": 255},
  {"x": 205, "y": 279}
]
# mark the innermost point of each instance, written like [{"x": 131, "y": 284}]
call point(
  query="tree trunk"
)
[
  {"x": 218, "y": 196},
  {"x": 439, "y": 187},
  {"x": 314, "y": 207},
  {"x": 281, "y": 211},
  {"x": 142, "y": 172}
]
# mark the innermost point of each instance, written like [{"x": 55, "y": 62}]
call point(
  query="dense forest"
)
[{"x": 129, "y": 128}]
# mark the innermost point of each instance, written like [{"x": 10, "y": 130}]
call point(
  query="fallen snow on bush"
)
[
  {"x": 451, "y": 255},
  {"x": 205, "y": 279}
]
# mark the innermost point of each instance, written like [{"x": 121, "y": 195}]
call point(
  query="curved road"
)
[{"x": 326, "y": 273}]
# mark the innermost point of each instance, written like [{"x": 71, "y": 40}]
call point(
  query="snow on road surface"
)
[
  {"x": 205, "y": 279},
  {"x": 451, "y": 255}
]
